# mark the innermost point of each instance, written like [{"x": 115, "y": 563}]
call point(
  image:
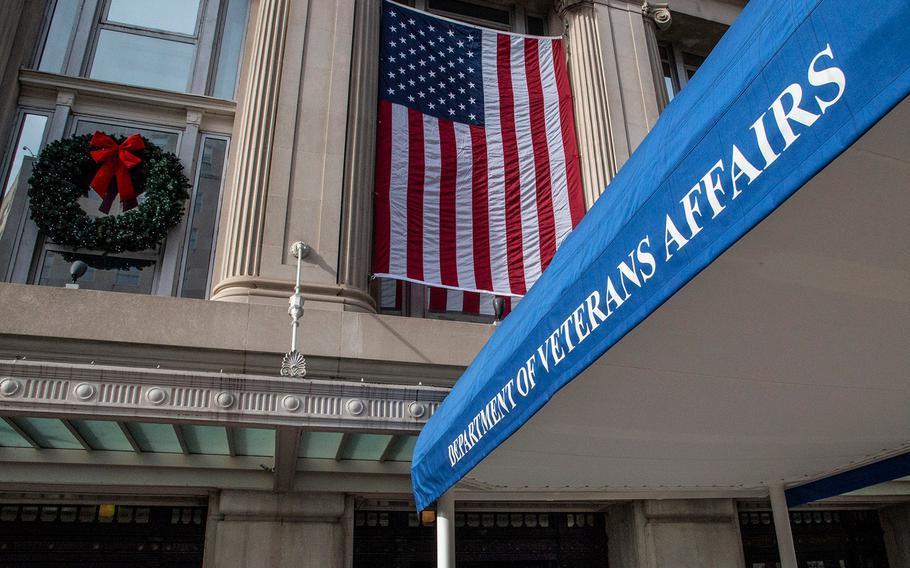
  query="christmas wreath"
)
[{"x": 148, "y": 180}]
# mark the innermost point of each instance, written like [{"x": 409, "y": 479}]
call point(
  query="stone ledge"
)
[{"x": 111, "y": 317}]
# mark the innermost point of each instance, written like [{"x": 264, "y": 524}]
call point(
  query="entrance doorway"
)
[
  {"x": 101, "y": 536},
  {"x": 823, "y": 539},
  {"x": 401, "y": 539}
]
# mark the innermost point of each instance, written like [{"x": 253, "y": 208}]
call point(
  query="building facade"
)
[{"x": 144, "y": 415}]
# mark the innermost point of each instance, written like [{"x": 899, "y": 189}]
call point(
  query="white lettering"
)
[{"x": 826, "y": 76}]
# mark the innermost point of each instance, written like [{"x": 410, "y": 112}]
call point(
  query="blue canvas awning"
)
[{"x": 789, "y": 88}]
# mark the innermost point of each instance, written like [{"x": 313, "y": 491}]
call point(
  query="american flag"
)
[
  {"x": 477, "y": 177},
  {"x": 442, "y": 300}
]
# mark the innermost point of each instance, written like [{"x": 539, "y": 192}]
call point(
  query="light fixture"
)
[
  {"x": 428, "y": 517},
  {"x": 106, "y": 511}
]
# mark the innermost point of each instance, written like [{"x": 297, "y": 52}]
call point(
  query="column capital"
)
[{"x": 563, "y": 6}]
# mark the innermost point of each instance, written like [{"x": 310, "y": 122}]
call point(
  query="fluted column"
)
[
  {"x": 613, "y": 84},
  {"x": 592, "y": 119},
  {"x": 360, "y": 151},
  {"x": 255, "y": 136}
]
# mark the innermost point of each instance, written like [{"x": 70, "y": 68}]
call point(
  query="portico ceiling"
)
[
  {"x": 177, "y": 427},
  {"x": 784, "y": 361}
]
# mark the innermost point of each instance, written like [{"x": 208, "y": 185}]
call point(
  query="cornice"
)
[
  {"x": 82, "y": 86},
  {"x": 122, "y": 393}
]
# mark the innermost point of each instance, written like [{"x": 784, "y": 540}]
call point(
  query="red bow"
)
[{"x": 115, "y": 160}]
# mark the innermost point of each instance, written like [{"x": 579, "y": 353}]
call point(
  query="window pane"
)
[
  {"x": 537, "y": 26},
  {"x": 141, "y": 60},
  {"x": 231, "y": 48},
  {"x": 165, "y": 140},
  {"x": 28, "y": 144},
  {"x": 113, "y": 274},
  {"x": 56, "y": 46},
  {"x": 169, "y": 15},
  {"x": 204, "y": 215}
]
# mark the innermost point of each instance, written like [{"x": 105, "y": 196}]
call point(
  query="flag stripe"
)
[
  {"x": 464, "y": 208},
  {"x": 382, "y": 215},
  {"x": 471, "y": 303},
  {"x": 570, "y": 145},
  {"x": 480, "y": 210},
  {"x": 530, "y": 235},
  {"x": 560, "y": 190},
  {"x": 545, "y": 221},
  {"x": 432, "y": 177},
  {"x": 514, "y": 245},
  {"x": 398, "y": 191},
  {"x": 415, "y": 194},
  {"x": 496, "y": 197},
  {"x": 448, "y": 243}
]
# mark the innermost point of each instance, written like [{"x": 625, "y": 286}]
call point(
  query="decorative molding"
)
[
  {"x": 125, "y": 393},
  {"x": 659, "y": 12},
  {"x": 71, "y": 87},
  {"x": 240, "y": 289}
]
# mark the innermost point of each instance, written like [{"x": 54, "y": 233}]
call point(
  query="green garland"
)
[{"x": 62, "y": 174}]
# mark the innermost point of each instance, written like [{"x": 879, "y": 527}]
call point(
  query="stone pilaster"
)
[
  {"x": 279, "y": 530},
  {"x": 254, "y": 136},
  {"x": 613, "y": 85},
  {"x": 675, "y": 532},
  {"x": 896, "y": 533}
]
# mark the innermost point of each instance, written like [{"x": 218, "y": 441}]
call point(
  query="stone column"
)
[
  {"x": 688, "y": 533},
  {"x": 896, "y": 528},
  {"x": 589, "y": 90},
  {"x": 356, "y": 253},
  {"x": 254, "y": 136},
  {"x": 289, "y": 163},
  {"x": 613, "y": 86},
  {"x": 278, "y": 530}
]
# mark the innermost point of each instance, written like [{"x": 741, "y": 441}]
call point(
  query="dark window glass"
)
[
  {"x": 230, "y": 48},
  {"x": 203, "y": 218},
  {"x": 537, "y": 26},
  {"x": 472, "y": 11}
]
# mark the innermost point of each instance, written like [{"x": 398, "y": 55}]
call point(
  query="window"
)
[
  {"x": 133, "y": 272},
  {"x": 495, "y": 16},
  {"x": 176, "y": 45},
  {"x": 682, "y": 48},
  {"x": 14, "y": 191},
  {"x": 484, "y": 15}
]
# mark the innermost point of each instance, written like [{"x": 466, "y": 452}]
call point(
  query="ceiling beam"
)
[
  {"x": 287, "y": 441},
  {"x": 129, "y": 437},
  {"x": 392, "y": 447},
  {"x": 79, "y": 438},
  {"x": 231, "y": 440},
  {"x": 12, "y": 424},
  {"x": 342, "y": 446},
  {"x": 181, "y": 439}
]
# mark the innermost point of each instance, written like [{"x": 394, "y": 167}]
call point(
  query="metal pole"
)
[
  {"x": 782, "y": 526},
  {"x": 295, "y": 324},
  {"x": 445, "y": 531},
  {"x": 294, "y": 364}
]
